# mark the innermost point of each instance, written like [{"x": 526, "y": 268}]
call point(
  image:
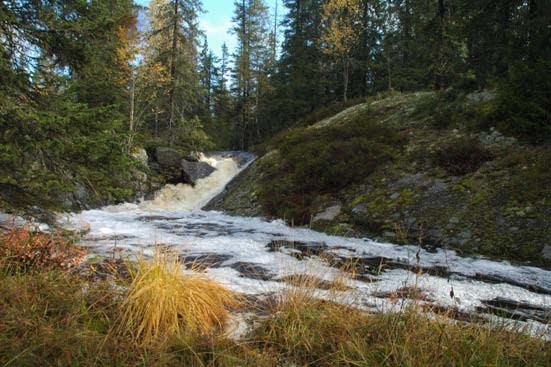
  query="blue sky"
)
[{"x": 216, "y": 21}]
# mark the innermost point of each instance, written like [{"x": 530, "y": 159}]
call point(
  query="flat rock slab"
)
[
  {"x": 518, "y": 310},
  {"x": 204, "y": 260},
  {"x": 9, "y": 220},
  {"x": 252, "y": 271},
  {"x": 328, "y": 214},
  {"x": 547, "y": 252},
  {"x": 304, "y": 249}
]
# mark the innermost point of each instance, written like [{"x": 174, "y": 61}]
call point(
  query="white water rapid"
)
[{"x": 252, "y": 255}]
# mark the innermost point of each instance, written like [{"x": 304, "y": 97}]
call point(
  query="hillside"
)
[{"x": 411, "y": 168}]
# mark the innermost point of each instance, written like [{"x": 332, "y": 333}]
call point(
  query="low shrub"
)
[
  {"x": 462, "y": 156},
  {"x": 446, "y": 109},
  {"x": 328, "y": 111},
  {"x": 314, "y": 162},
  {"x": 22, "y": 251}
]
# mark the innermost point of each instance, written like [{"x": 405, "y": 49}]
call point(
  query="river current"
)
[{"x": 253, "y": 255}]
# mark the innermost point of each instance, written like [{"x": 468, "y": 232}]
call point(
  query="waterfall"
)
[{"x": 188, "y": 197}]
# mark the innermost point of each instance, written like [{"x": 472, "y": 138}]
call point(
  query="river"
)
[{"x": 253, "y": 255}]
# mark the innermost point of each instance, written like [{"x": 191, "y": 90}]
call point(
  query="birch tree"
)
[{"x": 342, "y": 31}]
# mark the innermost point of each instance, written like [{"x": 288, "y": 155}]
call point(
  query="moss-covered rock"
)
[{"x": 397, "y": 173}]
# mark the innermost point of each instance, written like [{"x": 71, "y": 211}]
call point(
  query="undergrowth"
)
[
  {"x": 318, "y": 332},
  {"x": 58, "y": 317},
  {"x": 314, "y": 162},
  {"x": 23, "y": 251},
  {"x": 461, "y": 156}
]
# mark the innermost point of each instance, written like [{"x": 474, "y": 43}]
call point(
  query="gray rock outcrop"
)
[
  {"x": 167, "y": 157},
  {"x": 194, "y": 171}
]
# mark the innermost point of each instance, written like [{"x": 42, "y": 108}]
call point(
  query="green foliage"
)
[
  {"x": 524, "y": 102},
  {"x": 531, "y": 181},
  {"x": 61, "y": 115},
  {"x": 446, "y": 109},
  {"x": 461, "y": 156},
  {"x": 320, "y": 161}
]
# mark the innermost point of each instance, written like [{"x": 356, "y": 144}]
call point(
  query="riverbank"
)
[
  {"x": 422, "y": 168},
  {"x": 69, "y": 313}
]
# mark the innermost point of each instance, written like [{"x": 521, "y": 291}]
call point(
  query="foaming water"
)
[
  {"x": 187, "y": 197},
  {"x": 254, "y": 255}
]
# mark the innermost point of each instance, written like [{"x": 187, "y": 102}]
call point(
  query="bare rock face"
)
[
  {"x": 193, "y": 171},
  {"x": 328, "y": 214}
]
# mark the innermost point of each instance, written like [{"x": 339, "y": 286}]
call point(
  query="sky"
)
[{"x": 216, "y": 21}]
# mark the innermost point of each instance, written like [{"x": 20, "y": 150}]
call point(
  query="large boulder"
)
[
  {"x": 167, "y": 157},
  {"x": 193, "y": 171}
]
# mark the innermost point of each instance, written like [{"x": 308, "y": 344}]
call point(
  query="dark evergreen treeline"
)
[
  {"x": 64, "y": 71},
  {"x": 80, "y": 86},
  {"x": 409, "y": 45}
]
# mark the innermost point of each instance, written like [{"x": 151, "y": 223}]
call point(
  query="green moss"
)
[
  {"x": 405, "y": 198},
  {"x": 478, "y": 198},
  {"x": 359, "y": 200}
]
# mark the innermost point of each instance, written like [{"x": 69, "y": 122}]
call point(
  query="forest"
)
[
  {"x": 341, "y": 183},
  {"x": 82, "y": 83}
]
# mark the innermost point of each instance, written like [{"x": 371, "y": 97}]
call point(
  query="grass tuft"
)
[
  {"x": 164, "y": 302},
  {"x": 316, "y": 332}
]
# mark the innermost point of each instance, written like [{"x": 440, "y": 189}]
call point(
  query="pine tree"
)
[
  {"x": 174, "y": 40},
  {"x": 302, "y": 81},
  {"x": 222, "y": 103},
  {"x": 62, "y": 118},
  {"x": 250, "y": 26}
]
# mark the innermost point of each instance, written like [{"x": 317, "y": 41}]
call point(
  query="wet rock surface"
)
[
  {"x": 256, "y": 257},
  {"x": 264, "y": 253},
  {"x": 167, "y": 157},
  {"x": 204, "y": 260},
  {"x": 299, "y": 249},
  {"x": 517, "y": 310},
  {"x": 251, "y": 270},
  {"x": 193, "y": 171}
]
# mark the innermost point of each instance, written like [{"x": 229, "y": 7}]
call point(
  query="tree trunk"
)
[
  {"x": 407, "y": 33},
  {"x": 365, "y": 46},
  {"x": 131, "y": 124},
  {"x": 388, "y": 71},
  {"x": 440, "y": 52},
  {"x": 172, "y": 102},
  {"x": 346, "y": 71}
]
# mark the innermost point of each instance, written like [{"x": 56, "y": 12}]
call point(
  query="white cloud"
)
[{"x": 217, "y": 34}]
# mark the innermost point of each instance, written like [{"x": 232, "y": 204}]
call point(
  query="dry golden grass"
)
[
  {"x": 314, "y": 332},
  {"x": 163, "y": 301}
]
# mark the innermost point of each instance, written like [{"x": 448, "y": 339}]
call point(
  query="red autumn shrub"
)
[{"x": 22, "y": 251}]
